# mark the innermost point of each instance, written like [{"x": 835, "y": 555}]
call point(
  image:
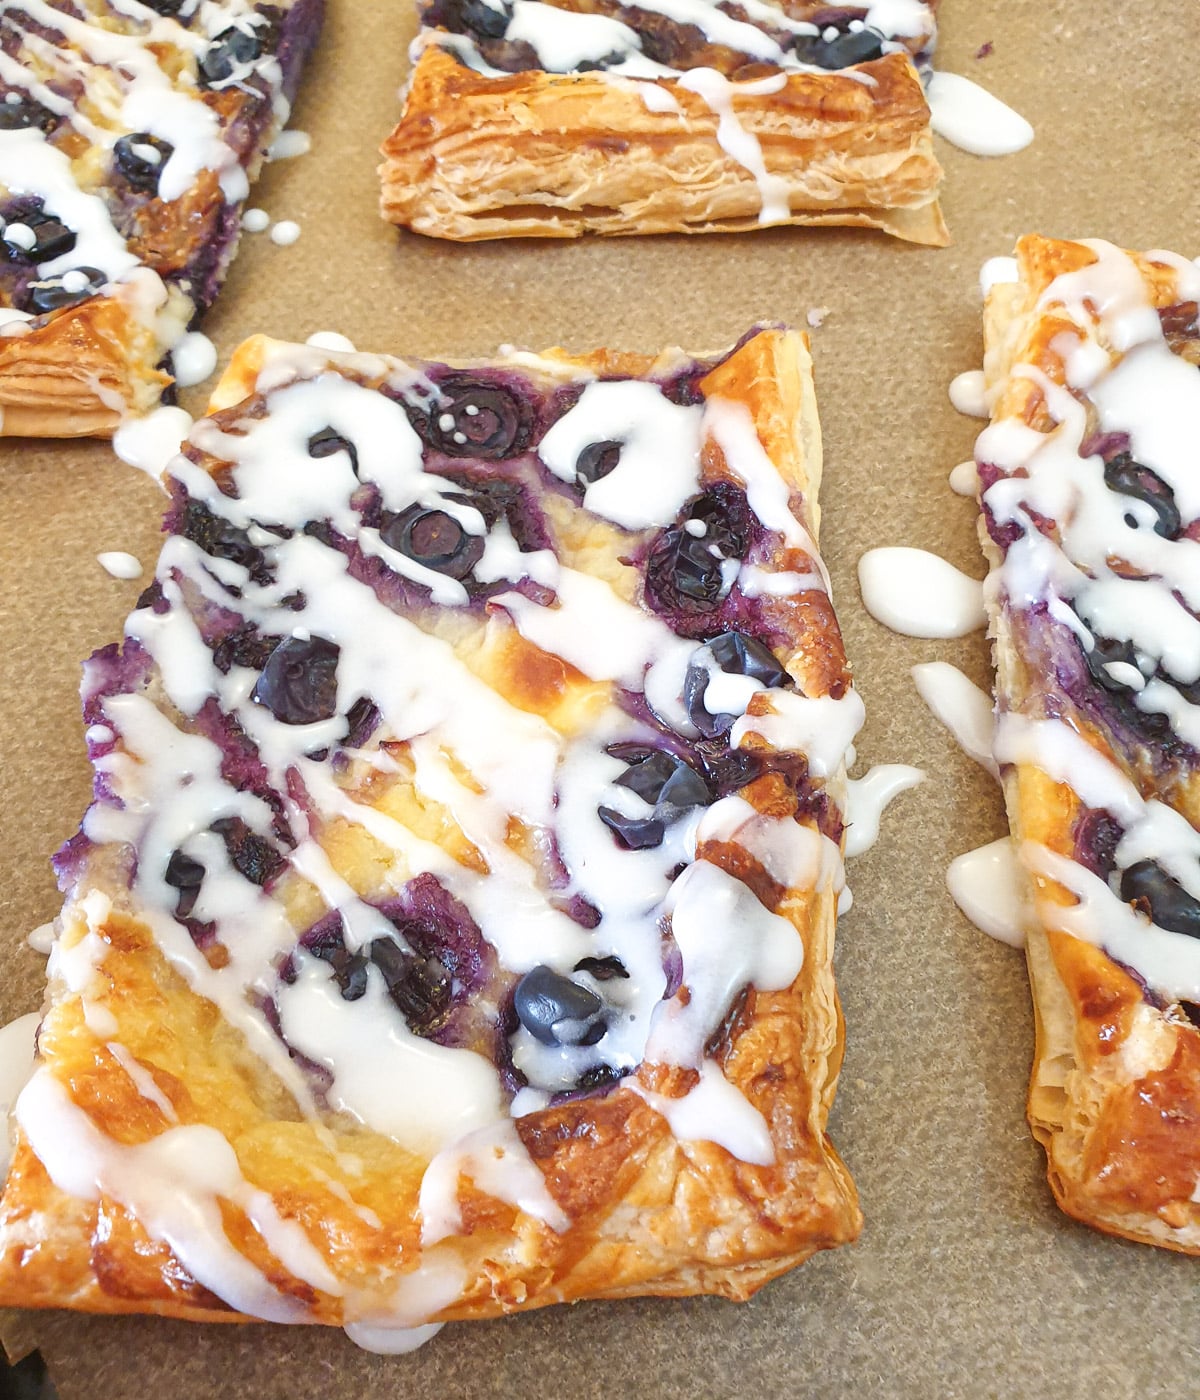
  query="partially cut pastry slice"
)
[
  {"x": 128, "y": 137},
  {"x": 1090, "y": 500},
  {"x": 451, "y": 930},
  {"x": 553, "y": 118}
]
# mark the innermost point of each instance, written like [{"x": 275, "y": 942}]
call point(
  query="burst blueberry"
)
[{"x": 140, "y": 158}]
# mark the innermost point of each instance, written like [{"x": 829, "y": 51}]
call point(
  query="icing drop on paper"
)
[
  {"x": 989, "y": 887},
  {"x": 967, "y": 393},
  {"x": 919, "y": 594},
  {"x": 970, "y": 118},
  {"x": 119, "y": 564}
]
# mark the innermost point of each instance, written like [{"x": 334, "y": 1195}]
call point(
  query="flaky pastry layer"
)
[{"x": 537, "y": 154}]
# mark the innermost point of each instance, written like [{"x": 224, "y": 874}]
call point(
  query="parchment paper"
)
[{"x": 967, "y": 1281}]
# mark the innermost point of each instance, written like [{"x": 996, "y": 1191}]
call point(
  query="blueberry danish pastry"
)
[
  {"x": 1090, "y": 499},
  {"x": 554, "y": 118},
  {"x": 450, "y": 932},
  {"x": 128, "y": 136}
]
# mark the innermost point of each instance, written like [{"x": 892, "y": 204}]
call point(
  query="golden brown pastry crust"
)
[
  {"x": 649, "y": 1214},
  {"x": 547, "y": 155},
  {"x": 1114, "y": 1095}
]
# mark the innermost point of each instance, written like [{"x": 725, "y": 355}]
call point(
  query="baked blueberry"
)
[
  {"x": 602, "y": 969},
  {"x": 473, "y": 418},
  {"x": 469, "y": 17},
  {"x": 597, "y": 460},
  {"x": 231, "y": 50},
  {"x": 848, "y": 48},
  {"x": 1126, "y": 475},
  {"x": 433, "y": 538},
  {"x": 64, "y": 289},
  {"x": 140, "y": 158},
  {"x": 419, "y": 987},
  {"x": 1106, "y": 652},
  {"x": 185, "y": 875},
  {"x": 349, "y": 969},
  {"x": 299, "y": 682},
  {"x": 328, "y": 441},
  {"x": 51, "y": 239},
  {"x": 556, "y": 1011},
  {"x": 738, "y": 655},
  {"x": 18, "y": 111},
  {"x": 251, "y": 855},
  {"x": 634, "y": 833},
  {"x": 1147, "y": 886},
  {"x": 223, "y": 540}
]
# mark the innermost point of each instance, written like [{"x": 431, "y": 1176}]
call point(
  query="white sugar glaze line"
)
[
  {"x": 965, "y": 710},
  {"x": 919, "y": 594},
  {"x": 869, "y": 797},
  {"x": 972, "y": 119},
  {"x": 16, "y": 1065}
]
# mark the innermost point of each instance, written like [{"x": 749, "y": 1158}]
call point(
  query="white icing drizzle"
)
[
  {"x": 149, "y": 443},
  {"x": 959, "y": 704},
  {"x": 972, "y": 119},
  {"x": 991, "y": 889},
  {"x": 289, "y": 144},
  {"x": 16, "y": 1065},
  {"x": 919, "y": 594},
  {"x": 869, "y": 796},
  {"x": 119, "y": 564},
  {"x": 143, "y": 1080},
  {"x": 995, "y": 272},
  {"x": 495, "y": 1159},
  {"x": 714, "y": 1111}
]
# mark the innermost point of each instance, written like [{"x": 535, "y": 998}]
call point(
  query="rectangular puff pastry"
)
[
  {"x": 553, "y": 118},
  {"x": 1090, "y": 500},
  {"x": 129, "y": 133},
  {"x": 451, "y": 930}
]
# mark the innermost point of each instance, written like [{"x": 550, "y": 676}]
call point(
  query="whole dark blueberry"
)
[
  {"x": 468, "y": 17},
  {"x": 327, "y": 442},
  {"x": 435, "y": 539},
  {"x": 25, "y": 112},
  {"x": 1147, "y": 886},
  {"x": 64, "y": 289},
  {"x": 419, "y": 987},
  {"x": 663, "y": 779},
  {"x": 738, "y": 655},
  {"x": 140, "y": 158},
  {"x": 164, "y": 7},
  {"x": 849, "y": 48},
  {"x": 555, "y": 1010},
  {"x": 473, "y": 418},
  {"x": 299, "y": 682},
  {"x": 602, "y": 969},
  {"x": 232, "y": 49},
  {"x": 1126, "y": 475},
  {"x": 185, "y": 875},
  {"x": 634, "y": 833},
  {"x": 597, "y": 460},
  {"x": 51, "y": 239}
]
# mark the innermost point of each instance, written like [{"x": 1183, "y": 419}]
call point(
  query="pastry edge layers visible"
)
[
  {"x": 710, "y": 1191},
  {"x": 1088, "y": 1105},
  {"x": 589, "y": 156}
]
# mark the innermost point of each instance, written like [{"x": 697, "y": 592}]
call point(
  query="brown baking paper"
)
[{"x": 967, "y": 1281}]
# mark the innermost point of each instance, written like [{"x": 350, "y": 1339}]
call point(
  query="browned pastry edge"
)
[
  {"x": 77, "y": 372},
  {"x": 649, "y": 1214},
  {"x": 1122, "y": 1140},
  {"x": 546, "y": 155}
]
